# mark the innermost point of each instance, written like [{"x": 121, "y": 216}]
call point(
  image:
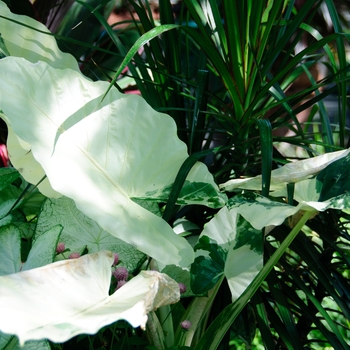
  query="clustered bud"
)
[
  {"x": 116, "y": 259},
  {"x": 186, "y": 324},
  {"x": 120, "y": 284},
  {"x": 121, "y": 273},
  {"x": 60, "y": 247},
  {"x": 74, "y": 255},
  {"x": 182, "y": 287}
]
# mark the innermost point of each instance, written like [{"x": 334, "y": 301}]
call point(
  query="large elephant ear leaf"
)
[
  {"x": 71, "y": 297},
  {"x": 101, "y": 154},
  {"x": 25, "y": 37}
]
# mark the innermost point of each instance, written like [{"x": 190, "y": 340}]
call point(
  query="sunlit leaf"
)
[
  {"x": 25, "y": 37},
  {"x": 103, "y": 155},
  {"x": 289, "y": 173},
  {"x": 22, "y": 158},
  {"x": 66, "y": 298}
]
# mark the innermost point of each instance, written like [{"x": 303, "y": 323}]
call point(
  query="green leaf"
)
[
  {"x": 8, "y": 197},
  {"x": 7, "y": 176},
  {"x": 235, "y": 250},
  {"x": 3, "y": 49},
  {"x": 101, "y": 154},
  {"x": 10, "y": 250},
  {"x": 335, "y": 179},
  {"x": 192, "y": 192},
  {"x": 10, "y": 342},
  {"x": 180, "y": 276},
  {"x": 67, "y": 298},
  {"x": 43, "y": 249},
  {"x": 80, "y": 232},
  {"x": 206, "y": 271},
  {"x": 25, "y": 37}
]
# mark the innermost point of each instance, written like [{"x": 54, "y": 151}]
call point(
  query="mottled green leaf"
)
[
  {"x": 228, "y": 245},
  {"x": 192, "y": 192},
  {"x": 43, "y": 248},
  {"x": 205, "y": 273},
  {"x": 7, "y": 176},
  {"x": 180, "y": 276},
  {"x": 8, "y": 198},
  {"x": 260, "y": 211},
  {"x": 10, "y": 250},
  {"x": 10, "y": 342},
  {"x": 80, "y": 232},
  {"x": 335, "y": 179}
]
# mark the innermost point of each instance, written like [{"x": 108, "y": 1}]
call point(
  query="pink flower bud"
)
[
  {"x": 60, "y": 247},
  {"x": 182, "y": 287},
  {"x": 74, "y": 255},
  {"x": 121, "y": 273},
  {"x": 120, "y": 284},
  {"x": 186, "y": 324},
  {"x": 116, "y": 259}
]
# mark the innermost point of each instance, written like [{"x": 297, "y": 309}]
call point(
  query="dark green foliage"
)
[{"x": 207, "y": 271}]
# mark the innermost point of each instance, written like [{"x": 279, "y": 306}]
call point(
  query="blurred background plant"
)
[{"x": 266, "y": 82}]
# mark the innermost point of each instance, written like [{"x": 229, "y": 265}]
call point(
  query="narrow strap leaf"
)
[
  {"x": 266, "y": 154},
  {"x": 181, "y": 177}
]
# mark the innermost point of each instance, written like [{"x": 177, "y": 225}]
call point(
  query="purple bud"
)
[
  {"x": 116, "y": 259},
  {"x": 60, "y": 247},
  {"x": 121, "y": 273},
  {"x": 182, "y": 287},
  {"x": 74, "y": 255},
  {"x": 186, "y": 324},
  {"x": 120, "y": 284}
]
